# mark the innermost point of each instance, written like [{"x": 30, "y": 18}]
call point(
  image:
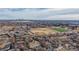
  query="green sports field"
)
[{"x": 60, "y": 29}]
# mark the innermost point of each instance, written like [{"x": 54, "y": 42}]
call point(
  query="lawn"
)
[
  {"x": 60, "y": 29},
  {"x": 47, "y": 31}
]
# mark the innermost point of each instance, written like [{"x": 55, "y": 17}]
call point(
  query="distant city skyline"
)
[{"x": 40, "y": 13}]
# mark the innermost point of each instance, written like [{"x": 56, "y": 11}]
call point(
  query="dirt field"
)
[
  {"x": 6, "y": 28},
  {"x": 42, "y": 31}
]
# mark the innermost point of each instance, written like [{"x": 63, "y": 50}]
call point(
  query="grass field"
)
[
  {"x": 60, "y": 29},
  {"x": 47, "y": 31}
]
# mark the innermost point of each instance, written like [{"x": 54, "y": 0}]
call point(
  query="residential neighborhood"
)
[{"x": 29, "y": 36}]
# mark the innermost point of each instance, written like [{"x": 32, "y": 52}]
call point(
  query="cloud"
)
[
  {"x": 40, "y": 13},
  {"x": 65, "y": 17}
]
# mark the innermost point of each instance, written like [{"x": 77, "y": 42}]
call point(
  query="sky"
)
[{"x": 39, "y": 13}]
